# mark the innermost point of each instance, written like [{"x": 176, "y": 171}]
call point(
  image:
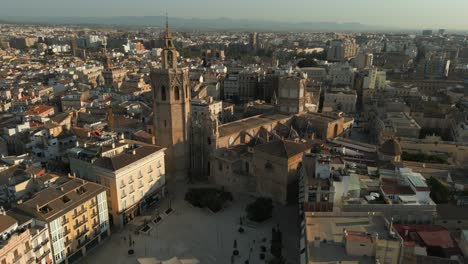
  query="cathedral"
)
[
  {"x": 171, "y": 107},
  {"x": 195, "y": 140}
]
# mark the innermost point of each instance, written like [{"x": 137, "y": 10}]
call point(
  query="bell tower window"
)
[
  {"x": 163, "y": 93},
  {"x": 169, "y": 59},
  {"x": 177, "y": 93}
]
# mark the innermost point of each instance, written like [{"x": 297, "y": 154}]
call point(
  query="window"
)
[
  {"x": 163, "y": 93},
  {"x": 177, "y": 93}
]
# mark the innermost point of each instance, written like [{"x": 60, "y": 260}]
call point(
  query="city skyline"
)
[{"x": 398, "y": 14}]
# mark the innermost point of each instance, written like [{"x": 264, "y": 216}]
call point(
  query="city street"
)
[{"x": 199, "y": 235}]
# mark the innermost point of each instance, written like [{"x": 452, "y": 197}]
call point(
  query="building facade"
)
[
  {"x": 171, "y": 97},
  {"x": 133, "y": 172},
  {"x": 75, "y": 213}
]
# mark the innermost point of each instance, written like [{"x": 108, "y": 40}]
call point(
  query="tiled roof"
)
[
  {"x": 283, "y": 148},
  {"x": 126, "y": 158}
]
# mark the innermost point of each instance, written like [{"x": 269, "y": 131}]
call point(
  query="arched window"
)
[
  {"x": 163, "y": 93},
  {"x": 177, "y": 93},
  {"x": 169, "y": 59}
]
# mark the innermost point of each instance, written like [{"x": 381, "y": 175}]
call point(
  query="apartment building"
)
[
  {"x": 75, "y": 213},
  {"x": 133, "y": 172}
]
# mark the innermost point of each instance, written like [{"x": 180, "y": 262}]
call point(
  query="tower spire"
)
[
  {"x": 167, "y": 34},
  {"x": 167, "y": 22}
]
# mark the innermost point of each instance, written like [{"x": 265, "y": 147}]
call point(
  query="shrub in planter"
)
[
  {"x": 260, "y": 210},
  {"x": 215, "y": 205}
]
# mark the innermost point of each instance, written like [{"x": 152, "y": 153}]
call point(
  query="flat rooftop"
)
[{"x": 329, "y": 227}]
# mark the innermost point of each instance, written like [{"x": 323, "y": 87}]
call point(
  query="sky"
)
[{"x": 432, "y": 14}]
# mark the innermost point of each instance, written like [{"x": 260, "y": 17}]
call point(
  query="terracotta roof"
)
[
  {"x": 38, "y": 109},
  {"x": 6, "y": 222},
  {"x": 359, "y": 237},
  {"x": 430, "y": 236},
  {"x": 392, "y": 187}
]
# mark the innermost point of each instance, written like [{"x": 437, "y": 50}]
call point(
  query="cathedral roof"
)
[{"x": 283, "y": 148}]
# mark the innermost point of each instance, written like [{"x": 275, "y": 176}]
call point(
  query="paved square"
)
[{"x": 197, "y": 234}]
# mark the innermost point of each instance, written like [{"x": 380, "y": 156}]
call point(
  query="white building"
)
[
  {"x": 375, "y": 79},
  {"x": 341, "y": 74},
  {"x": 340, "y": 99}
]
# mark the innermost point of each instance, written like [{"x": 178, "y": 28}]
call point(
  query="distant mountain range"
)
[{"x": 197, "y": 23}]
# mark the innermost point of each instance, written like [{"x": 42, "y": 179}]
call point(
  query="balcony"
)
[
  {"x": 93, "y": 204},
  {"x": 68, "y": 242},
  {"x": 131, "y": 181},
  {"x": 31, "y": 260},
  {"x": 45, "y": 254},
  {"x": 17, "y": 258},
  {"x": 77, "y": 225},
  {"x": 45, "y": 242},
  {"x": 66, "y": 221},
  {"x": 67, "y": 232},
  {"x": 123, "y": 186},
  {"x": 80, "y": 212},
  {"x": 132, "y": 190},
  {"x": 94, "y": 214},
  {"x": 28, "y": 248},
  {"x": 37, "y": 248},
  {"x": 81, "y": 234}
]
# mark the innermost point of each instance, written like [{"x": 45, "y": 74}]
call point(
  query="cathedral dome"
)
[{"x": 391, "y": 147}]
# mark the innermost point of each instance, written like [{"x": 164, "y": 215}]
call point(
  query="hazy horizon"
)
[{"x": 404, "y": 14}]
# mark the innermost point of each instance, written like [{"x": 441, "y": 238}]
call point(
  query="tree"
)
[
  {"x": 439, "y": 192},
  {"x": 260, "y": 210},
  {"x": 276, "y": 243}
]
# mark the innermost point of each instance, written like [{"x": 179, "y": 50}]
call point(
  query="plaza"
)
[{"x": 196, "y": 235}]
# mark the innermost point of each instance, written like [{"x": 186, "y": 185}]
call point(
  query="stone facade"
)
[{"x": 171, "y": 97}]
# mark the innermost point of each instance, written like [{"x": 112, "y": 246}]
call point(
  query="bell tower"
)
[{"x": 171, "y": 106}]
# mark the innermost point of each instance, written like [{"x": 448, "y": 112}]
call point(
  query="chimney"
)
[
  {"x": 85, "y": 145},
  {"x": 89, "y": 134},
  {"x": 376, "y": 236},
  {"x": 406, "y": 231},
  {"x": 113, "y": 145},
  {"x": 77, "y": 144},
  {"x": 37, "y": 207},
  {"x": 134, "y": 152}
]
